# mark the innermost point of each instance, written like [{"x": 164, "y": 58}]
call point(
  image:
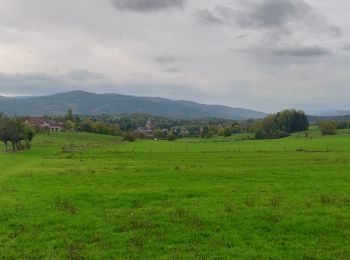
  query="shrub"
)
[
  {"x": 210, "y": 134},
  {"x": 259, "y": 134},
  {"x": 328, "y": 127},
  {"x": 171, "y": 137},
  {"x": 130, "y": 137}
]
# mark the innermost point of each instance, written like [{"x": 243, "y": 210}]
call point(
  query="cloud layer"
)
[
  {"x": 147, "y": 5},
  {"x": 260, "y": 54},
  {"x": 297, "y": 51}
]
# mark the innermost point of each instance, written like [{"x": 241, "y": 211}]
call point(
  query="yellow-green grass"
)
[{"x": 193, "y": 198}]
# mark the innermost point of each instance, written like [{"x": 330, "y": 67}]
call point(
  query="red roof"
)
[{"x": 36, "y": 120}]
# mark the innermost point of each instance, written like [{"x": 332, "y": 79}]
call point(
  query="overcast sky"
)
[{"x": 260, "y": 54}]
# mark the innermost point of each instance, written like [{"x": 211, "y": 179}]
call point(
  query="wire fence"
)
[
  {"x": 119, "y": 147},
  {"x": 71, "y": 148}
]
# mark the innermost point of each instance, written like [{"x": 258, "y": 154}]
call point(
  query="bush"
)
[
  {"x": 171, "y": 137},
  {"x": 130, "y": 137},
  {"x": 158, "y": 134},
  {"x": 209, "y": 135},
  {"x": 259, "y": 134},
  {"x": 328, "y": 127},
  {"x": 227, "y": 132}
]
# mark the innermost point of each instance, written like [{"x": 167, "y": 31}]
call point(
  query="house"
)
[
  {"x": 56, "y": 128},
  {"x": 38, "y": 122},
  {"x": 43, "y": 124}
]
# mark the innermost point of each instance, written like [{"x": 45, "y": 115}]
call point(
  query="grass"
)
[{"x": 219, "y": 198}]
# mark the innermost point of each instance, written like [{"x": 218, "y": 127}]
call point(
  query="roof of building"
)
[{"x": 36, "y": 120}]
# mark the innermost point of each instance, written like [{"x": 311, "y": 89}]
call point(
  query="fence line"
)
[
  {"x": 71, "y": 148},
  {"x": 133, "y": 149}
]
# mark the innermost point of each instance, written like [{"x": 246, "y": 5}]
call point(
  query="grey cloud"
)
[
  {"x": 39, "y": 83},
  {"x": 275, "y": 13},
  {"x": 346, "y": 47},
  {"x": 274, "y": 17},
  {"x": 122, "y": 43},
  {"x": 308, "y": 51},
  {"x": 84, "y": 75},
  {"x": 147, "y": 5},
  {"x": 335, "y": 31},
  {"x": 206, "y": 17},
  {"x": 173, "y": 70},
  {"x": 166, "y": 59},
  {"x": 257, "y": 14},
  {"x": 30, "y": 83}
]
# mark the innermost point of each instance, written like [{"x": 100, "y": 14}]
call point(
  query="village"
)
[{"x": 149, "y": 131}]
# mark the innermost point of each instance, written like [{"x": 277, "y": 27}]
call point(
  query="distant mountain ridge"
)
[
  {"x": 331, "y": 113},
  {"x": 96, "y": 104}
]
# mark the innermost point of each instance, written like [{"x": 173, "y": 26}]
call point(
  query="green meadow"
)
[{"x": 219, "y": 198}]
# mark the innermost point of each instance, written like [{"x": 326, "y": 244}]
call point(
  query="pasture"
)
[{"x": 219, "y": 198}]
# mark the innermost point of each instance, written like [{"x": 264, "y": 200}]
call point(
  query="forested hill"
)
[{"x": 96, "y": 104}]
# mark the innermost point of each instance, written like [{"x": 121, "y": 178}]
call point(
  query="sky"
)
[{"x": 266, "y": 55}]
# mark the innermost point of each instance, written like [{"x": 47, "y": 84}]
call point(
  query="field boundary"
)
[{"x": 79, "y": 148}]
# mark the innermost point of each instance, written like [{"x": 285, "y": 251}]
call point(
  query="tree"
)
[
  {"x": 4, "y": 132},
  {"x": 221, "y": 131},
  {"x": 210, "y": 134},
  {"x": 70, "y": 125},
  {"x": 130, "y": 137},
  {"x": 328, "y": 127},
  {"x": 259, "y": 134},
  {"x": 227, "y": 132},
  {"x": 235, "y": 128},
  {"x": 158, "y": 134},
  {"x": 282, "y": 124},
  {"x": 171, "y": 136},
  {"x": 86, "y": 126},
  {"x": 69, "y": 116},
  {"x": 29, "y": 134},
  {"x": 14, "y": 131}
]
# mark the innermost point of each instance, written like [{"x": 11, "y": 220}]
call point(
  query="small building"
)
[
  {"x": 38, "y": 122},
  {"x": 55, "y": 128},
  {"x": 41, "y": 123},
  {"x": 149, "y": 125}
]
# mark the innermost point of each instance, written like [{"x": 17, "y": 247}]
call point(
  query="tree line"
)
[
  {"x": 281, "y": 124},
  {"x": 277, "y": 125},
  {"x": 16, "y": 132},
  {"x": 127, "y": 125}
]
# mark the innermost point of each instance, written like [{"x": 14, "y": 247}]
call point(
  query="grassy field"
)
[{"x": 219, "y": 198}]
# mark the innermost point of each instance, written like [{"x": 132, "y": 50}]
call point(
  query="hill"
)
[{"x": 96, "y": 104}]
